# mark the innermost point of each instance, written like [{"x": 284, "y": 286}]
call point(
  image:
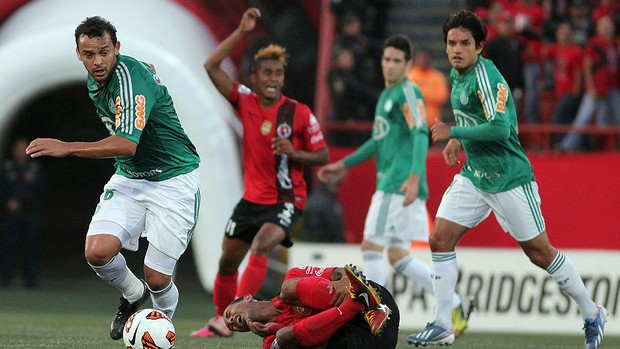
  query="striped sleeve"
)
[
  {"x": 125, "y": 120},
  {"x": 485, "y": 91},
  {"x": 414, "y": 116}
]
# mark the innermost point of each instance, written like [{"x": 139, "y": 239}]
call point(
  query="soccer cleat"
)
[
  {"x": 460, "y": 315},
  {"x": 377, "y": 318},
  {"x": 433, "y": 334},
  {"x": 218, "y": 326},
  {"x": 595, "y": 329},
  {"x": 125, "y": 310},
  {"x": 361, "y": 291}
]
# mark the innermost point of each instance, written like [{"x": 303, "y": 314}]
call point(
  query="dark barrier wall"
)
[{"x": 580, "y": 199}]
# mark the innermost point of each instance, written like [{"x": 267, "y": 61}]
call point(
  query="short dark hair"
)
[
  {"x": 466, "y": 20},
  {"x": 399, "y": 42},
  {"x": 95, "y": 27}
]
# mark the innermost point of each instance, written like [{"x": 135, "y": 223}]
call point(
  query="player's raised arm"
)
[{"x": 220, "y": 78}]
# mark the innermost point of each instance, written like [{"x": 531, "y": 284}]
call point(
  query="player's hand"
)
[
  {"x": 330, "y": 171},
  {"x": 47, "y": 147},
  {"x": 451, "y": 152},
  {"x": 410, "y": 188},
  {"x": 248, "y": 21},
  {"x": 263, "y": 330},
  {"x": 340, "y": 290},
  {"x": 440, "y": 131},
  {"x": 283, "y": 146}
]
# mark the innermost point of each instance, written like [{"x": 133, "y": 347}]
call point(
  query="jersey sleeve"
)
[
  {"x": 363, "y": 153},
  {"x": 134, "y": 101},
  {"x": 493, "y": 93},
  {"x": 237, "y": 94},
  {"x": 414, "y": 111},
  {"x": 312, "y": 133}
]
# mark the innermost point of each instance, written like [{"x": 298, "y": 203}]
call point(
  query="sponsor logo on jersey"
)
[
  {"x": 265, "y": 128},
  {"x": 316, "y": 138},
  {"x": 408, "y": 116},
  {"x": 157, "y": 79},
  {"x": 140, "y": 112},
  {"x": 118, "y": 109},
  {"x": 502, "y": 98},
  {"x": 380, "y": 128},
  {"x": 144, "y": 174},
  {"x": 314, "y": 125},
  {"x": 283, "y": 177},
  {"x": 284, "y": 130}
]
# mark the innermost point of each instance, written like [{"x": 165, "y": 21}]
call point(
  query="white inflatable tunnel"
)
[{"x": 37, "y": 49}]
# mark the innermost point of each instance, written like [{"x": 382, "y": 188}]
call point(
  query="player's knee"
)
[
  {"x": 156, "y": 281},
  {"x": 288, "y": 291},
  {"x": 97, "y": 257}
]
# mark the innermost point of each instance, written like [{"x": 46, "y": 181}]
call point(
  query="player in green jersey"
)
[
  {"x": 497, "y": 176},
  {"x": 155, "y": 190},
  {"x": 399, "y": 143}
]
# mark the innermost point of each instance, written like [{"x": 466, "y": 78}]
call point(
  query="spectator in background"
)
[
  {"x": 529, "y": 19},
  {"x": 432, "y": 82},
  {"x": 556, "y": 12},
  {"x": 580, "y": 22},
  {"x": 367, "y": 50},
  {"x": 566, "y": 62},
  {"x": 21, "y": 186},
  {"x": 609, "y": 8},
  {"x": 600, "y": 71},
  {"x": 351, "y": 98},
  {"x": 323, "y": 218},
  {"x": 504, "y": 50}
]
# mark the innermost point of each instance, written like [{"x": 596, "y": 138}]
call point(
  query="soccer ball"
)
[{"x": 149, "y": 329}]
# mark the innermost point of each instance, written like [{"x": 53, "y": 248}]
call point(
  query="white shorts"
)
[
  {"x": 517, "y": 210},
  {"x": 165, "y": 212},
  {"x": 390, "y": 224}
]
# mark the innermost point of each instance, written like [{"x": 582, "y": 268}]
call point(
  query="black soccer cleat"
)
[{"x": 125, "y": 309}]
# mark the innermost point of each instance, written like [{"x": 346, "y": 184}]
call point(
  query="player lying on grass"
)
[{"x": 320, "y": 308}]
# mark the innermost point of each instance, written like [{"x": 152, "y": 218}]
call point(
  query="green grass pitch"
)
[{"x": 77, "y": 315}]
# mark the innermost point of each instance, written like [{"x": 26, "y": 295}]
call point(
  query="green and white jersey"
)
[
  {"x": 486, "y": 126},
  {"x": 399, "y": 139},
  {"x": 135, "y": 104}
]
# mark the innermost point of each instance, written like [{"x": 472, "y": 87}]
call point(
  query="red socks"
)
[
  {"x": 253, "y": 276},
  {"x": 224, "y": 288},
  {"x": 321, "y": 327},
  {"x": 312, "y": 292}
]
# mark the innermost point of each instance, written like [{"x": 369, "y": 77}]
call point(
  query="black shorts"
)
[
  {"x": 248, "y": 218},
  {"x": 356, "y": 334}
]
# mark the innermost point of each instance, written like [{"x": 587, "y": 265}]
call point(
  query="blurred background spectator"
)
[
  {"x": 323, "y": 220},
  {"x": 565, "y": 61},
  {"x": 21, "y": 187},
  {"x": 601, "y": 76},
  {"x": 432, "y": 82}
]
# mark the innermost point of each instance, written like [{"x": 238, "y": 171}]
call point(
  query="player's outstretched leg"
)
[
  {"x": 433, "y": 334},
  {"x": 595, "y": 329},
  {"x": 361, "y": 291},
  {"x": 125, "y": 310},
  {"x": 460, "y": 314}
]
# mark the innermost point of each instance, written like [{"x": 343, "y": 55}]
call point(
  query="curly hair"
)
[
  {"x": 273, "y": 51},
  {"x": 95, "y": 27}
]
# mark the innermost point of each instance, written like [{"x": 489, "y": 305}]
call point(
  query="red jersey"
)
[
  {"x": 567, "y": 62},
  {"x": 292, "y": 314},
  {"x": 605, "y": 58},
  {"x": 270, "y": 179}
]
